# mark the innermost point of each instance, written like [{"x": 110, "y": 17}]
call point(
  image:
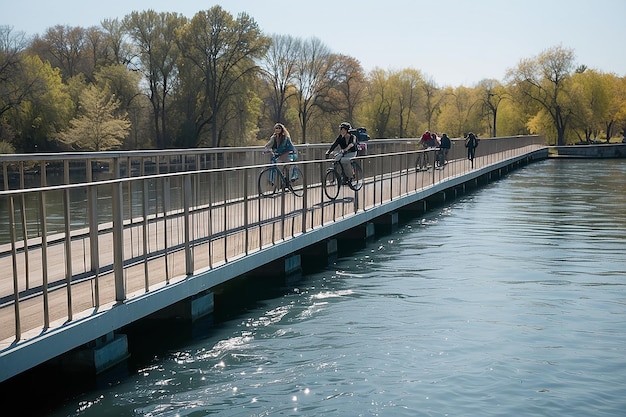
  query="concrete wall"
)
[{"x": 611, "y": 150}]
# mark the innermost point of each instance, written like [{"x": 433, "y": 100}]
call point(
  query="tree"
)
[
  {"x": 97, "y": 128},
  {"x": 67, "y": 48},
  {"x": 6, "y": 147},
  {"x": 311, "y": 80},
  {"x": 45, "y": 109},
  {"x": 154, "y": 35},
  {"x": 590, "y": 94},
  {"x": 12, "y": 91},
  {"x": 545, "y": 80},
  {"x": 492, "y": 95},
  {"x": 223, "y": 50},
  {"x": 124, "y": 84},
  {"x": 381, "y": 101},
  {"x": 459, "y": 114},
  {"x": 117, "y": 50},
  {"x": 408, "y": 83},
  {"x": 278, "y": 67},
  {"x": 432, "y": 100},
  {"x": 349, "y": 84},
  {"x": 615, "y": 121}
]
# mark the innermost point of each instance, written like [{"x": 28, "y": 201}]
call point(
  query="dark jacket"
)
[
  {"x": 471, "y": 141},
  {"x": 445, "y": 142},
  {"x": 343, "y": 143}
]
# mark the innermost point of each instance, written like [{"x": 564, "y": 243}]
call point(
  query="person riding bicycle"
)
[
  {"x": 445, "y": 146},
  {"x": 347, "y": 144},
  {"x": 426, "y": 139},
  {"x": 282, "y": 147}
]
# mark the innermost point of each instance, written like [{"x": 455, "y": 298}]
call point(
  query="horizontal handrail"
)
[{"x": 77, "y": 247}]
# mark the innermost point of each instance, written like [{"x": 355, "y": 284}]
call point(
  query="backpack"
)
[{"x": 360, "y": 133}]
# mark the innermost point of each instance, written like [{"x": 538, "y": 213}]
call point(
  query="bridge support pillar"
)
[
  {"x": 319, "y": 254},
  {"x": 386, "y": 223},
  {"x": 293, "y": 264},
  {"x": 98, "y": 356},
  {"x": 357, "y": 237},
  {"x": 282, "y": 267},
  {"x": 113, "y": 351},
  {"x": 438, "y": 198},
  {"x": 361, "y": 232},
  {"x": 413, "y": 209},
  {"x": 201, "y": 305}
]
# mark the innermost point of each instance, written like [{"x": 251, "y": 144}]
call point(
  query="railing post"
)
[
  {"x": 187, "y": 201},
  {"x": 92, "y": 218},
  {"x": 246, "y": 215},
  {"x": 44, "y": 257},
  {"x": 304, "y": 197},
  {"x": 16, "y": 288},
  {"x": 144, "y": 227},
  {"x": 24, "y": 226},
  {"x": 118, "y": 235},
  {"x": 68, "y": 239}
]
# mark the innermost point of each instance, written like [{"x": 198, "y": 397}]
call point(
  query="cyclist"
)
[
  {"x": 445, "y": 148},
  {"x": 282, "y": 148},
  {"x": 347, "y": 144},
  {"x": 426, "y": 140}
]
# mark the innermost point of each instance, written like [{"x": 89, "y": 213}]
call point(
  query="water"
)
[{"x": 508, "y": 301}]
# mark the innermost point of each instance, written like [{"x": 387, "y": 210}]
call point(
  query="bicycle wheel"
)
[
  {"x": 439, "y": 159},
  {"x": 296, "y": 181},
  {"x": 332, "y": 182},
  {"x": 420, "y": 164},
  {"x": 268, "y": 188},
  {"x": 357, "y": 181}
]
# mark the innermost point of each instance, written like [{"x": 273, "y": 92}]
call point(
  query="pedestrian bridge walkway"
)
[{"x": 134, "y": 235}]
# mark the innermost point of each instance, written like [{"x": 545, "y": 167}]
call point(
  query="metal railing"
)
[{"x": 104, "y": 242}]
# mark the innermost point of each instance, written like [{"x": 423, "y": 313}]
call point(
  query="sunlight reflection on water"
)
[{"x": 508, "y": 301}]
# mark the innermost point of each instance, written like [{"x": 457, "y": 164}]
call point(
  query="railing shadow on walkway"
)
[{"x": 145, "y": 242}]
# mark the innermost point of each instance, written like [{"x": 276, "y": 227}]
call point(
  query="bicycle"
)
[
  {"x": 335, "y": 176},
  {"x": 440, "y": 158},
  {"x": 272, "y": 179},
  {"x": 422, "y": 163}
]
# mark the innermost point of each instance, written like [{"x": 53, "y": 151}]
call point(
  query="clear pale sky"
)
[{"x": 452, "y": 42}]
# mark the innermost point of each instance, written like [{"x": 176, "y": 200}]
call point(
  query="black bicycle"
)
[
  {"x": 422, "y": 163},
  {"x": 275, "y": 178},
  {"x": 335, "y": 177},
  {"x": 440, "y": 158}
]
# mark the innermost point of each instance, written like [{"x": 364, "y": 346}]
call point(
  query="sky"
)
[{"x": 451, "y": 42}]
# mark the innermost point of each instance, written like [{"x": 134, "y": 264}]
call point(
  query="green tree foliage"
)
[
  {"x": 154, "y": 36},
  {"x": 45, "y": 108},
  {"x": 214, "y": 80},
  {"x": 615, "y": 121},
  {"x": 544, "y": 81},
  {"x": 590, "y": 92},
  {"x": 408, "y": 84},
  {"x": 96, "y": 128},
  {"x": 6, "y": 147},
  {"x": 381, "y": 97},
  {"x": 124, "y": 84},
  {"x": 223, "y": 50}
]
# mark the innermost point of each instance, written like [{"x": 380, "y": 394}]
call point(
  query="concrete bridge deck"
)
[{"x": 81, "y": 291}]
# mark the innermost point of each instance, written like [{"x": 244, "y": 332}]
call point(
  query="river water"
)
[{"x": 509, "y": 301}]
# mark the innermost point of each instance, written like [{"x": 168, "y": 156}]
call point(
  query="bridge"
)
[{"x": 97, "y": 241}]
